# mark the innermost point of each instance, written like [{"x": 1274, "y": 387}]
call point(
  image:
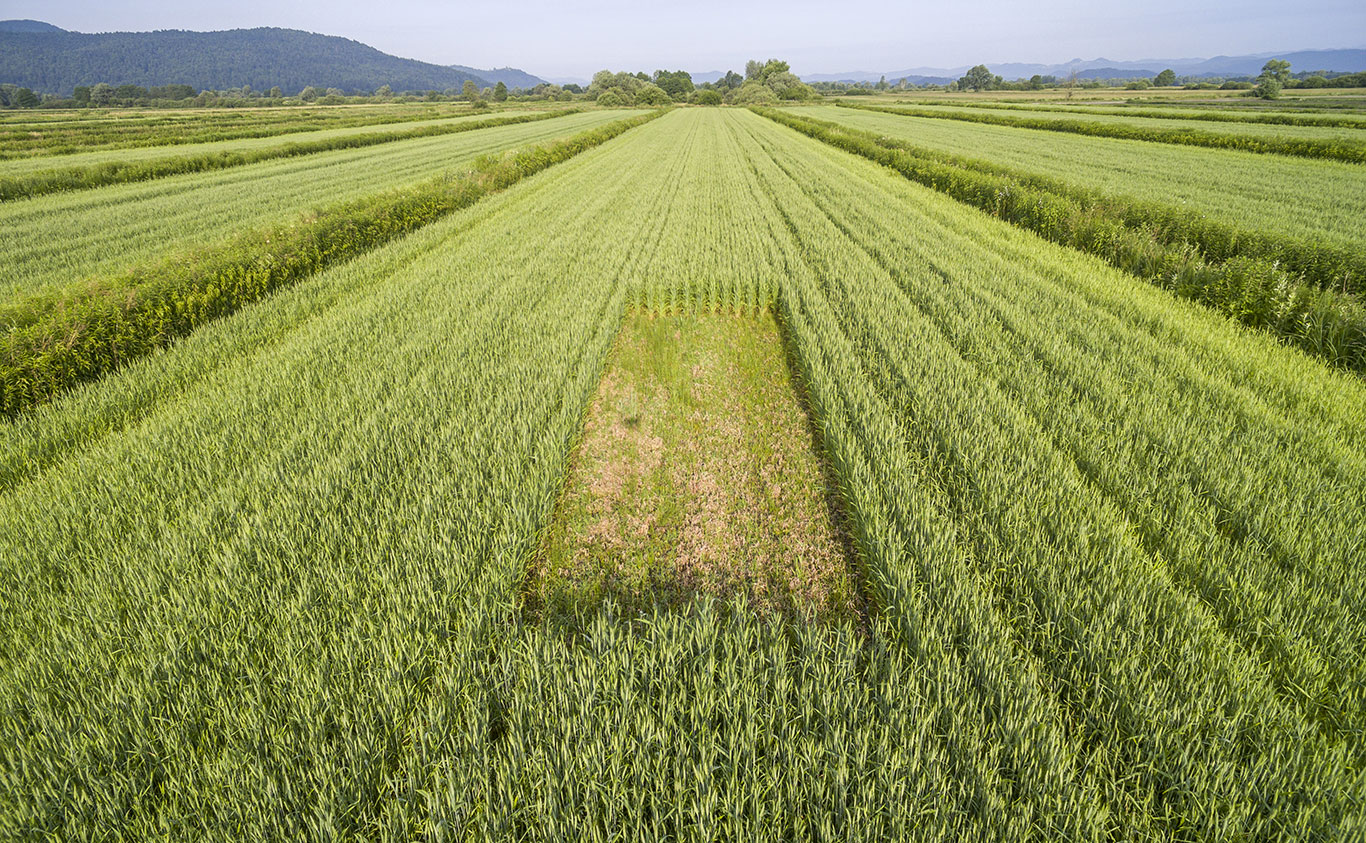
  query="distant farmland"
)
[{"x": 800, "y": 473}]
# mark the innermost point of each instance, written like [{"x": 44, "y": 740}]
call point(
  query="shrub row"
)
[
  {"x": 1208, "y": 114},
  {"x": 58, "y": 340},
  {"x": 1255, "y": 290},
  {"x": 120, "y": 172},
  {"x": 1353, "y": 152}
]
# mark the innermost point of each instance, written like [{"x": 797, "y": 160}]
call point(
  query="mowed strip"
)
[{"x": 697, "y": 473}]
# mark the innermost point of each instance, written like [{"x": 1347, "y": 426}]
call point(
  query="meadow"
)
[{"x": 990, "y": 537}]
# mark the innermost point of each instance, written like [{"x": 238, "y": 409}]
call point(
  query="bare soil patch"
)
[{"x": 697, "y": 473}]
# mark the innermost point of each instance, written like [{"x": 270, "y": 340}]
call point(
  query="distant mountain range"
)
[
  {"x": 48, "y": 59},
  {"x": 510, "y": 76},
  {"x": 1346, "y": 61}
]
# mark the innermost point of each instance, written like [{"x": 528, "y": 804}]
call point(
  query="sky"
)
[{"x": 559, "y": 39}]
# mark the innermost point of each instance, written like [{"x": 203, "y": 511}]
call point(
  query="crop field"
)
[
  {"x": 120, "y": 225},
  {"x": 37, "y": 163},
  {"x": 1322, "y": 200},
  {"x": 699, "y": 481},
  {"x": 1265, "y": 116},
  {"x": 44, "y": 136},
  {"x": 1348, "y": 134}
]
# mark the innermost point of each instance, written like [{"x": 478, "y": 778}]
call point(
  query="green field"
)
[
  {"x": 1347, "y": 134},
  {"x": 63, "y": 133},
  {"x": 35, "y": 164},
  {"x": 121, "y": 225},
  {"x": 1055, "y": 554},
  {"x": 1312, "y": 199}
]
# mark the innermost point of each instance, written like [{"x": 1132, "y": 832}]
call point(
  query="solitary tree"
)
[
  {"x": 1165, "y": 79},
  {"x": 1278, "y": 69},
  {"x": 384, "y": 92},
  {"x": 1275, "y": 74},
  {"x": 500, "y": 92},
  {"x": 978, "y": 78},
  {"x": 469, "y": 91},
  {"x": 308, "y": 94}
]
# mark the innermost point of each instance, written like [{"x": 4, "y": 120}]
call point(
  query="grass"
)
[
  {"x": 1325, "y": 143},
  {"x": 84, "y": 176},
  {"x": 696, "y": 474},
  {"x": 110, "y": 229},
  {"x": 265, "y": 583},
  {"x": 1313, "y": 200}
]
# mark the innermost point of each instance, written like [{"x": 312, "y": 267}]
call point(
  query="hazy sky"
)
[{"x": 574, "y": 39}]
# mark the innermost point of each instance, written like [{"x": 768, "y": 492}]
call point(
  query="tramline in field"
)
[{"x": 267, "y": 582}]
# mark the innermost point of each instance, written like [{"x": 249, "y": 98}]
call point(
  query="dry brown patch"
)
[{"x": 696, "y": 474}]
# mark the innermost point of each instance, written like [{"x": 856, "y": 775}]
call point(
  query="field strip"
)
[
  {"x": 1252, "y": 288},
  {"x": 58, "y": 342},
  {"x": 33, "y": 137},
  {"x": 1296, "y": 198},
  {"x": 1170, "y": 113},
  {"x": 1254, "y": 131},
  {"x": 26, "y": 166},
  {"x": 110, "y": 229},
  {"x": 1345, "y": 150},
  {"x": 87, "y": 176}
]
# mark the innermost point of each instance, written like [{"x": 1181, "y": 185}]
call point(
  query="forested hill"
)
[{"x": 55, "y": 61}]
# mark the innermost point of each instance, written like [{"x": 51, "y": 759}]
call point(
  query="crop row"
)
[
  {"x": 121, "y": 172},
  {"x": 124, "y": 131},
  {"x": 1242, "y": 276},
  {"x": 110, "y": 229},
  {"x": 1174, "y": 113},
  {"x": 58, "y": 340},
  {"x": 276, "y": 564},
  {"x": 1334, "y": 149}
]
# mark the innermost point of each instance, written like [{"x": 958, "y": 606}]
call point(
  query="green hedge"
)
[
  {"x": 1255, "y": 290},
  {"x": 1352, "y": 152},
  {"x": 120, "y": 172},
  {"x": 58, "y": 340}
]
